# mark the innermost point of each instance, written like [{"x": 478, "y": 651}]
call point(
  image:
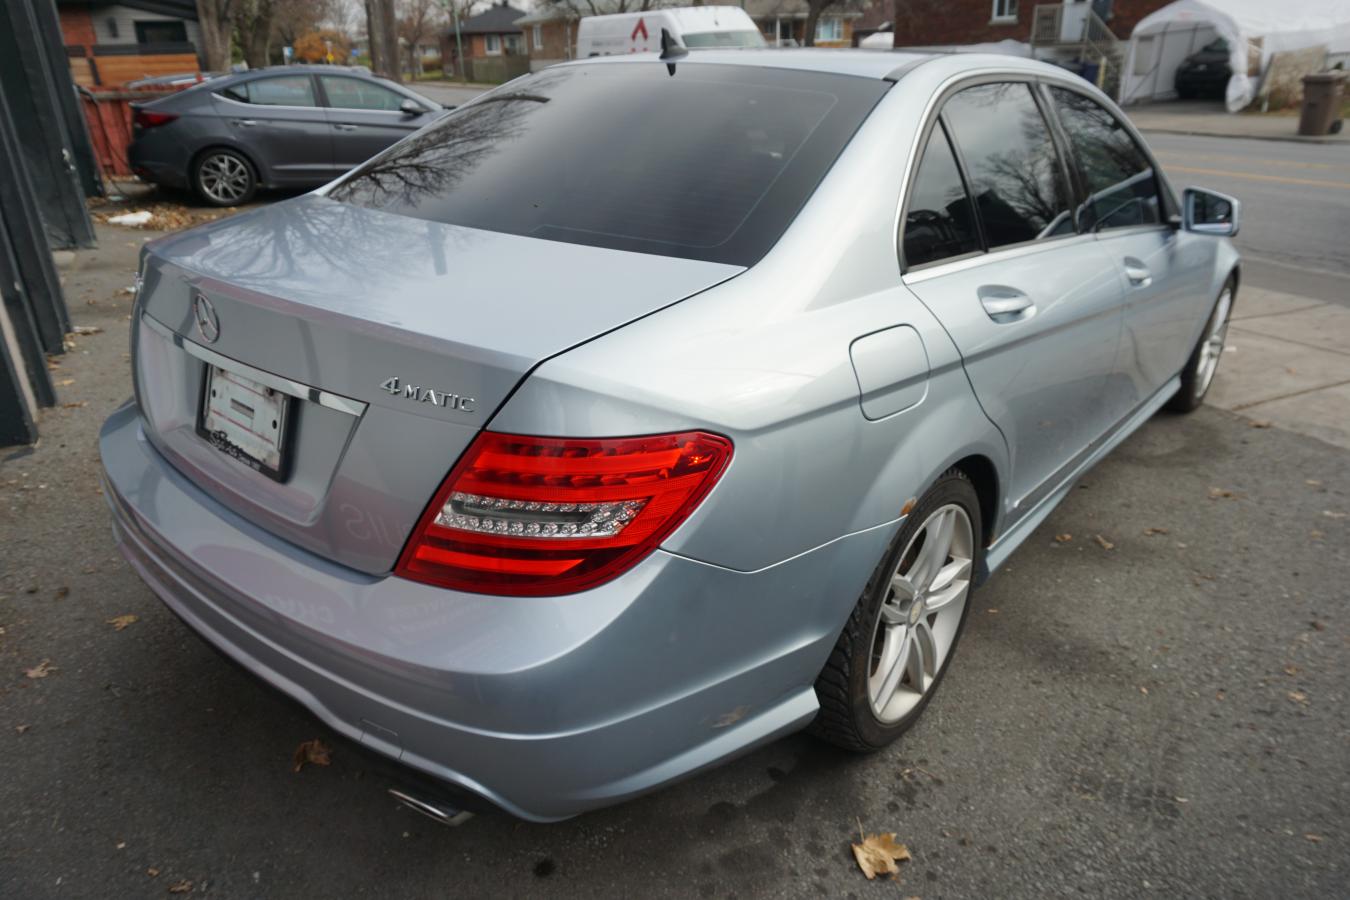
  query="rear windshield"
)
[{"x": 712, "y": 162}]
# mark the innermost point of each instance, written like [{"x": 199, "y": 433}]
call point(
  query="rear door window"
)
[
  {"x": 1121, "y": 186},
  {"x": 939, "y": 222},
  {"x": 712, "y": 162},
  {"x": 1016, "y": 175},
  {"x": 354, "y": 93},
  {"x": 282, "y": 90}
]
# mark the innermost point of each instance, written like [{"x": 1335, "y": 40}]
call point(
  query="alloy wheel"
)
[
  {"x": 921, "y": 614},
  {"x": 224, "y": 178},
  {"x": 1211, "y": 348}
]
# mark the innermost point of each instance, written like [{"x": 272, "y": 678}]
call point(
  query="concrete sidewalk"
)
[
  {"x": 1209, "y": 118},
  {"x": 1287, "y": 362}
]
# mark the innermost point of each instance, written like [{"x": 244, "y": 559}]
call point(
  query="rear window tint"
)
[
  {"x": 284, "y": 90},
  {"x": 939, "y": 223},
  {"x": 710, "y": 163},
  {"x": 1014, "y": 170}
]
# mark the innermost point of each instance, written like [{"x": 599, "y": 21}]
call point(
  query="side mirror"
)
[
  {"x": 411, "y": 107},
  {"x": 1209, "y": 212}
]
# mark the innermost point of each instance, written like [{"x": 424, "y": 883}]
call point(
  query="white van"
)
[{"x": 695, "y": 27}]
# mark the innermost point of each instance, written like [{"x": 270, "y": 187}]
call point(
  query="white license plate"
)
[{"x": 245, "y": 419}]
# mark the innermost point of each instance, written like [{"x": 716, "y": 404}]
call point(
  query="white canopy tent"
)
[{"x": 1162, "y": 40}]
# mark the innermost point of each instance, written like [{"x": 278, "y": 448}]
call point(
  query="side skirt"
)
[{"x": 1011, "y": 539}]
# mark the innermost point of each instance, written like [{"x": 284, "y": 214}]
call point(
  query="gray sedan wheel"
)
[
  {"x": 899, "y": 640},
  {"x": 224, "y": 178}
]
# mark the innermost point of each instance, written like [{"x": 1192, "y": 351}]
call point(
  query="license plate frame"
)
[{"x": 247, "y": 421}]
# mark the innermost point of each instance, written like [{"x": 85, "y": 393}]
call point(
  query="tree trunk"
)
[
  {"x": 384, "y": 55},
  {"x": 813, "y": 12},
  {"x": 216, "y": 20}
]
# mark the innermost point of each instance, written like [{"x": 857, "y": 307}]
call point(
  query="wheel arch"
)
[{"x": 983, "y": 475}]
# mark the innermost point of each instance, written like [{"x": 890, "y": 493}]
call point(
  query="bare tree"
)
[
  {"x": 579, "y": 8},
  {"x": 292, "y": 18},
  {"x": 216, "y": 19},
  {"x": 253, "y": 25},
  {"x": 416, "y": 23}
]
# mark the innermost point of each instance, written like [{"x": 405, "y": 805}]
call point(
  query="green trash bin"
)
[{"x": 1321, "y": 103}]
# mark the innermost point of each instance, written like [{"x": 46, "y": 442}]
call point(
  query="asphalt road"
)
[
  {"x": 447, "y": 93},
  {"x": 1295, "y": 197},
  {"x": 1166, "y": 716}
]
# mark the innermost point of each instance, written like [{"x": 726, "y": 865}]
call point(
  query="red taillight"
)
[
  {"x": 148, "y": 118},
  {"x": 530, "y": 515}
]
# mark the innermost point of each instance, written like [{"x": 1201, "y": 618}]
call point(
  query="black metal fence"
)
[{"x": 46, "y": 171}]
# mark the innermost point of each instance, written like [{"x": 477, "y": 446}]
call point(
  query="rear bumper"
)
[
  {"x": 159, "y": 159},
  {"x": 546, "y": 707}
]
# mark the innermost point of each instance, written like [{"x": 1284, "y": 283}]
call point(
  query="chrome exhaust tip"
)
[{"x": 445, "y": 815}]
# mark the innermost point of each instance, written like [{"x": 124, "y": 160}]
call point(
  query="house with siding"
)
[{"x": 109, "y": 44}]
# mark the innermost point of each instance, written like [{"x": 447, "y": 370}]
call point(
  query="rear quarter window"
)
[{"x": 712, "y": 162}]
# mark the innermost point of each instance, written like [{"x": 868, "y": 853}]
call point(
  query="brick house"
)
[
  {"x": 550, "y": 36},
  {"x": 783, "y": 22},
  {"x": 112, "y": 43},
  {"x": 494, "y": 47}
]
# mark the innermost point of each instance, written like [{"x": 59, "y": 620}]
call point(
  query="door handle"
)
[
  {"x": 247, "y": 123},
  {"x": 343, "y": 126},
  {"x": 1005, "y": 304},
  {"x": 1137, "y": 272}
]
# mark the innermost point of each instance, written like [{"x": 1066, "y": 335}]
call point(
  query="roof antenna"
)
[{"x": 671, "y": 50}]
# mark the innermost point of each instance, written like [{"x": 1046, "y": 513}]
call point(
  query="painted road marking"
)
[{"x": 1252, "y": 176}]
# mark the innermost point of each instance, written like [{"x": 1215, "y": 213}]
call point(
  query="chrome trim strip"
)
[
  {"x": 970, "y": 261},
  {"x": 275, "y": 382}
]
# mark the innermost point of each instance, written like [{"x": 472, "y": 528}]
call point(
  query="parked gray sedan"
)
[
  {"x": 289, "y": 126},
  {"x": 643, "y": 411}
]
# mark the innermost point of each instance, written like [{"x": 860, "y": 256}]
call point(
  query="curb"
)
[{"x": 1290, "y": 138}]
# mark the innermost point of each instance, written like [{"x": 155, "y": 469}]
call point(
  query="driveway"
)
[{"x": 1150, "y": 699}]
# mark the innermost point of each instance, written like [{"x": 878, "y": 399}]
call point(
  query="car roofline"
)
[{"x": 886, "y": 65}]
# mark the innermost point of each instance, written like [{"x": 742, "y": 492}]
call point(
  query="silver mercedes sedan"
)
[{"x": 645, "y": 410}]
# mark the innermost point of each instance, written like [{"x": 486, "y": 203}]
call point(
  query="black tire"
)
[
  {"x": 846, "y": 718},
  {"x": 223, "y": 177},
  {"x": 1194, "y": 384}
]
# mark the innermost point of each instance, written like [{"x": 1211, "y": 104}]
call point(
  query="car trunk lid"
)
[{"x": 397, "y": 339}]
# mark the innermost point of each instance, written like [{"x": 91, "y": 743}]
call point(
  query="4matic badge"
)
[{"x": 419, "y": 394}]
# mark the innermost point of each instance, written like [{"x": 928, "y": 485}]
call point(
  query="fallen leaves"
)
[
  {"x": 152, "y": 872},
  {"x": 181, "y": 887},
  {"x": 1259, "y": 423},
  {"x": 41, "y": 670},
  {"x": 1218, "y": 493},
  {"x": 879, "y": 853},
  {"x": 22, "y": 728},
  {"x": 120, "y": 623},
  {"x": 1063, "y": 538},
  {"x": 1291, "y": 669},
  {"x": 1151, "y": 531},
  {"x": 1334, "y": 515},
  {"x": 86, "y": 329},
  {"x": 160, "y": 217},
  {"x": 1312, "y": 838},
  {"x": 1298, "y": 697},
  {"x": 313, "y": 752},
  {"x": 1103, "y": 542}
]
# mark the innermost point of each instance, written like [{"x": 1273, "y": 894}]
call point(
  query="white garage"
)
[{"x": 1254, "y": 30}]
